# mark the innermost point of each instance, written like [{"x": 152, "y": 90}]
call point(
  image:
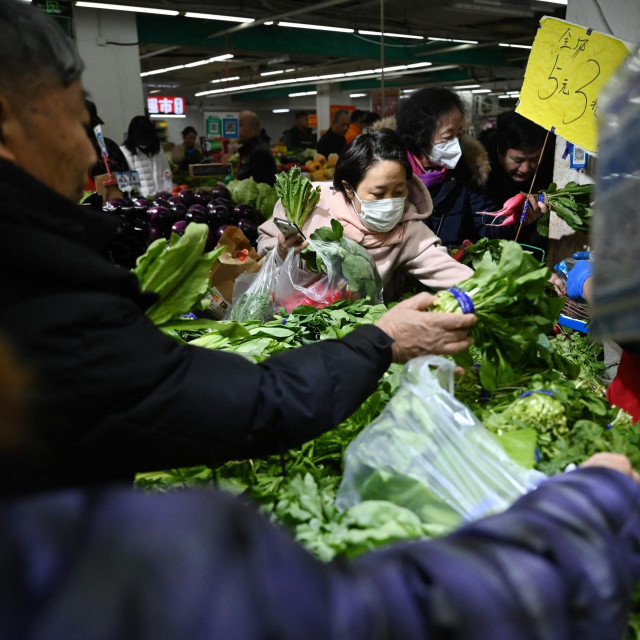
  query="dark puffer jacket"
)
[
  {"x": 561, "y": 564},
  {"x": 112, "y": 394}
]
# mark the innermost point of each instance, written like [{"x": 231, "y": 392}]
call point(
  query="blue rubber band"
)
[
  {"x": 538, "y": 457},
  {"x": 546, "y": 392},
  {"x": 589, "y": 31},
  {"x": 609, "y": 426},
  {"x": 524, "y": 211},
  {"x": 541, "y": 197},
  {"x": 464, "y": 300}
]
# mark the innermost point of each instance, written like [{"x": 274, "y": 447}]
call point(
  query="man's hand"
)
[
  {"x": 417, "y": 333},
  {"x": 535, "y": 210},
  {"x": 615, "y": 461},
  {"x": 286, "y": 243}
]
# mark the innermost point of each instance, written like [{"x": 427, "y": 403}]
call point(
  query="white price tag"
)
[{"x": 128, "y": 180}]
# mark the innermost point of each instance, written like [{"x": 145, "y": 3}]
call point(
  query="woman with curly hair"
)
[{"x": 452, "y": 166}]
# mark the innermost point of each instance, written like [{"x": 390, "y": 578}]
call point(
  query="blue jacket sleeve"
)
[{"x": 561, "y": 563}]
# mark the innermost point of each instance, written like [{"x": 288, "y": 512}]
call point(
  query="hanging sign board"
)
[
  {"x": 169, "y": 105},
  {"x": 128, "y": 180},
  {"x": 567, "y": 68}
]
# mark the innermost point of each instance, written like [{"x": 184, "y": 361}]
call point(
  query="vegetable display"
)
[
  {"x": 331, "y": 253},
  {"x": 297, "y": 194},
  {"x": 514, "y": 315},
  {"x": 178, "y": 273},
  {"x": 572, "y": 204}
]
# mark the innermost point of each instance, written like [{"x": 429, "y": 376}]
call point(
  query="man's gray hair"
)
[{"x": 33, "y": 50}]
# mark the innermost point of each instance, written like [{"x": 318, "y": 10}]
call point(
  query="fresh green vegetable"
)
[
  {"x": 514, "y": 316},
  {"x": 297, "y": 194},
  {"x": 266, "y": 200},
  {"x": 572, "y": 204},
  {"x": 178, "y": 273},
  {"x": 348, "y": 260},
  {"x": 244, "y": 191}
]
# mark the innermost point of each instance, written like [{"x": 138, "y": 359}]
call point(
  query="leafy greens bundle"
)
[
  {"x": 514, "y": 312},
  {"x": 299, "y": 197}
]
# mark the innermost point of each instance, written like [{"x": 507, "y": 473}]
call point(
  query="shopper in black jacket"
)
[
  {"x": 112, "y": 394},
  {"x": 256, "y": 160}
]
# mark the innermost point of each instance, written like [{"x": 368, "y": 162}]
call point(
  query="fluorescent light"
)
[
  {"x": 466, "y": 86},
  {"x": 214, "y": 16},
  {"x": 481, "y": 91},
  {"x": 408, "y": 90},
  {"x": 220, "y": 58},
  {"x": 329, "y": 76},
  {"x": 154, "y": 91},
  {"x": 196, "y": 64},
  {"x": 272, "y": 73},
  {"x": 165, "y": 70},
  {"x": 122, "y": 7},
  {"x": 454, "y": 40},
  {"x": 513, "y": 93},
  {"x": 230, "y": 79},
  {"x": 163, "y": 116},
  {"x": 506, "y": 97},
  {"x": 418, "y": 65},
  {"x": 390, "y": 35},
  {"x": 300, "y": 25},
  {"x": 554, "y": 1},
  {"x": 303, "y": 93},
  {"x": 515, "y": 46},
  {"x": 281, "y": 111},
  {"x": 268, "y": 24},
  {"x": 365, "y": 72},
  {"x": 292, "y": 69},
  {"x": 357, "y": 95}
]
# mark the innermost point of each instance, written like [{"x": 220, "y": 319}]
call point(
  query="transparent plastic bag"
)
[
  {"x": 429, "y": 453},
  {"x": 615, "y": 232},
  {"x": 346, "y": 272},
  {"x": 254, "y": 293}
]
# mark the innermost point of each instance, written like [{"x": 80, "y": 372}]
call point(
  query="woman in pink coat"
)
[{"x": 383, "y": 208}]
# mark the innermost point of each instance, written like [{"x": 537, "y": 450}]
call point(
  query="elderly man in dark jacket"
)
[{"x": 113, "y": 395}]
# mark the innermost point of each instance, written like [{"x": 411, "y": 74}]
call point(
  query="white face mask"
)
[
  {"x": 380, "y": 215},
  {"x": 446, "y": 154}
]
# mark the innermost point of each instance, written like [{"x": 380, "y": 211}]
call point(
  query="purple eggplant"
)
[
  {"x": 197, "y": 213},
  {"x": 244, "y": 211},
  {"x": 179, "y": 209},
  {"x": 155, "y": 234},
  {"x": 249, "y": 228},
  {"x": 179, "y": 227},
  {"x": 221, "y": 190},
  {"x": 161, "y": 197},
  {"x": 219, "y": 231},
  {"x": 114, "y": 204},
  {"x": 140, "y": 203},
  {"x": 186, "y": 197},
  {"x": 201, "y": 197},
  {"x": 217, "y": 215}
]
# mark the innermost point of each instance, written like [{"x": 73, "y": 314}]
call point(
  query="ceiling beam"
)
[{"x": 280, "y": 16}]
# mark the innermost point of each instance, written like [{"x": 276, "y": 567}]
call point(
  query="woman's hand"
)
[
  {"x": 286, "y": 243},
  {"x": 417, "y": 333},
  {"x": 535, "y": 210}
]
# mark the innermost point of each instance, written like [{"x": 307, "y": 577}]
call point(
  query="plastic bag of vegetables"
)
[
  {"x": 254, "y": 294},
  {"x": 335, "y": 268},
  {"x": 427, "y": 452}
]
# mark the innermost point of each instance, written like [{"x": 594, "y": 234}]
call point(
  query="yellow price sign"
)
[{"x": 567, "y": 68}]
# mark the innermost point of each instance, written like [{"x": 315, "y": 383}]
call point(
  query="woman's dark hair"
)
[
  {"x": 142, "y": 135},
  {"x": 363, "y": 152},
  {"x": 188, "y": 130},
  {"x": 418, "y": 118},
  {"x": 517, "y": 132}
]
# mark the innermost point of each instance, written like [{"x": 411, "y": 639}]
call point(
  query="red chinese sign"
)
[{"x": 166, "y": 105}]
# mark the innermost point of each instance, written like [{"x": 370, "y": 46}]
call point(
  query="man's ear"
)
[{"x": 9, "y": 124}]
